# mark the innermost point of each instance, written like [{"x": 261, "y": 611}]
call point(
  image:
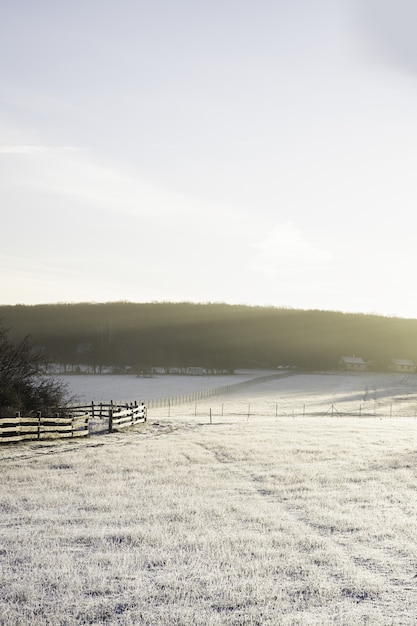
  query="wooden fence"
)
[
  {"x": 115, "y": 416},
  {"x": 121, "y": 417},
  {"x": 73, "y": 421},
  {"x": 20, "y": 428},
  {"x": 104, "y": 411}
]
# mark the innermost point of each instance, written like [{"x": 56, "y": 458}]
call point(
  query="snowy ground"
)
[
  {"x": 307, "y": 522},
  {"x": 253, "y": 520},
  {"x": 334, "y": 393},
  {"x": 126, "y": 388}
]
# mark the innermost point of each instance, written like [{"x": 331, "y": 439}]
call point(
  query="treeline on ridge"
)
[{"x": 213, "y": 336}]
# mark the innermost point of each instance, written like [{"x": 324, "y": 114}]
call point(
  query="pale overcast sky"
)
[{"x": 227, "y": 151}]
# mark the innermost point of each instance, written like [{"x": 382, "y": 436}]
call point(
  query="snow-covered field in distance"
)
[
  {"x": 127, "y": 388},
  {"x": 293, "y": 393},
  {"x": 323, "y": 393}
]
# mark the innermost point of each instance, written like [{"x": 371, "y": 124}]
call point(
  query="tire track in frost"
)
[{"x": 389, "y": 586}]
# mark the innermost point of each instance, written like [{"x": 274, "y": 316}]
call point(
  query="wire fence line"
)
[
  {"x": 197, "y": 396},
  {"x": 237, "y": 408},
  {"x": 263, "y": 409},
  {"x": 279, "y": 407}
]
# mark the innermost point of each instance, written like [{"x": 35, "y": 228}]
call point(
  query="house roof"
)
[{"x": 352, "y": 359}]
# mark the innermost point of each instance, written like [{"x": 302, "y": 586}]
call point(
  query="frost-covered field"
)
[
  {"x": 128, "y": 388},
  {"x": 272, "y": 520},
  {"x": 293, "y": 393},
  {"x": 335, "y": 394}
]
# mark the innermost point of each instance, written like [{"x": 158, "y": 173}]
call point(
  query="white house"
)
[
  {"x": 352, "y": 363},
  {"x": 401, "y": 365}
]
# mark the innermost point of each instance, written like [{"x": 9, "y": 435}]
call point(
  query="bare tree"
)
[{"x": 24, "y": 385}]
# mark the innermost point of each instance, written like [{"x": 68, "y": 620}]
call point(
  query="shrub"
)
[{"x": 24, "y": 385}]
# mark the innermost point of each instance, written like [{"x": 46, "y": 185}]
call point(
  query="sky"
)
[{"x": 259, "y": 153}]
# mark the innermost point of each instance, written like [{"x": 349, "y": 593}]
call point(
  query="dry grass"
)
[{"x": 260, "y": 522}]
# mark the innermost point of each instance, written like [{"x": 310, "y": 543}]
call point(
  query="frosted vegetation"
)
[{"x": 257, "y": 519}]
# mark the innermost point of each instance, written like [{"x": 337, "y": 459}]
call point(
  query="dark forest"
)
[{"x": 218, "y": 337}]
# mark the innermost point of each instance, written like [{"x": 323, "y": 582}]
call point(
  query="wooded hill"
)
[{"x": 214, "y": 336}]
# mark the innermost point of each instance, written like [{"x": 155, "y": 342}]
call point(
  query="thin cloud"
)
[
  {"x": 286, "y": 241},
  {"x": 101, "y": 185},
  {"x": 28, "y": 266},
  {"x": 36, "y": 149},
  {"x": 286, "y": 249}
]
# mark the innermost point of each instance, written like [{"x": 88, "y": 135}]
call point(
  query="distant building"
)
[
  {"x": 196, "y": 371},
  {"x": 352, "y": 363},
  {"x": 401, "y": 365}
]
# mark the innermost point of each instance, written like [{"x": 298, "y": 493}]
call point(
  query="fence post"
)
[
  {"x": 111, "y": 417},
  {"x": 38, "y": 415}
]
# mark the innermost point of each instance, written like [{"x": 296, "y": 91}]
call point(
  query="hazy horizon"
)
[{"x": 261, "y": 154}]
